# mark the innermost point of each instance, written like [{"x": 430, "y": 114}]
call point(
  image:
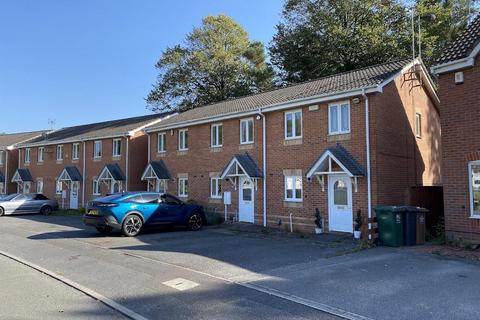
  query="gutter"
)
[
  {"x": 264, "y": 161},
  {"x": 367, "y": 143}
]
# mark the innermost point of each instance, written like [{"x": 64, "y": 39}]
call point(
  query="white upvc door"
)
[
  {"x": 246, "y": 200},
  {"x": 340, "y": 215},
  {"x": 75, "y": 186}
]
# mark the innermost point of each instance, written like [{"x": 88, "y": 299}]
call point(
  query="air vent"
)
[{"x": 458, "y": 77}]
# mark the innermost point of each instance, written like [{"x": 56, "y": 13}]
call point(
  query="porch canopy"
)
[
  {"x": 242, "y": 165},
  {"x": 111, "y": 172},
  {"x": 70, "y": 174},
  {"x": 22, "y": 175},
  {"x": 336, "y": 160},
  {"x": 156, "y": 170}
]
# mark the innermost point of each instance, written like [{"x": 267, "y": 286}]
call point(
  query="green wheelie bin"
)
[{"x": 390, "y": 225}]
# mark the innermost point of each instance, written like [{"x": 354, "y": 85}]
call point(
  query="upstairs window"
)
[
  {"x": 246, "y": 131},
  {"x": 339, "y": 118},
  {"x": 161, "y": 147},
  {"x": 418, "y": 125},
  {"x": 293, "y": 124},
  {"x": 41, "y": 154},
  {"x": 97, "y": 149},
  {"x": 183, "y": 140},
  {"x": 117, "y": 147},
  {"x": 75, "y": 151},
  {"x": 2, "y": 155},
  {"x": 59, "y": 152},
  {"x": 293, "y": 188},
  {"x": 217, "y": 135},
  {"x": 27, "y": 155}
]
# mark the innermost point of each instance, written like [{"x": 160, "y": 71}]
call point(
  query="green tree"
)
[
  {"x": 321, "y": 37},
  {"x": 217, "y": 62}
]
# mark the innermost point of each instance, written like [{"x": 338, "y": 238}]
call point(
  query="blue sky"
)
[{"x": 92, "y": 60}]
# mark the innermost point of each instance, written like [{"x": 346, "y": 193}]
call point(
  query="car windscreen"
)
[
  {"x": 9, "y": 197},
  {"x": 109, "y": 198}
]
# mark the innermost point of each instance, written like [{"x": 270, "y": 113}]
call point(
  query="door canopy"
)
[
  {"x": 156, "y": 170},
  {"x": 242, "y": 165},
  {"x": 111, "y": 172},
  {"x": 70, "y": 174},
  {"x": 22, "y": 175},
  {"x": 336, "y": 160}
]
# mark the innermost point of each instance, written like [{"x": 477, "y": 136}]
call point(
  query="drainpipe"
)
[
  {"x": 148, "y": 147},
  {"x": 6, "y": 171},
  {"x": 126, "y": 164},
  {"x": 83, "y": 174},
  {"x": 264, "y": 156},
  {"x": 367, "y": 142}
]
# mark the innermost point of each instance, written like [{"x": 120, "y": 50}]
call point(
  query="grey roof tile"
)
[
  {"x": 160, "y": 169},
  {"x": 338, "y": 83},
  {"x": 116, "y": 172},
  {"x": 248, "y": 164},
  {"x": 24, "y": 174},
  {"x": 73, "y": 173},
  {"x": 14, "y": 138}
]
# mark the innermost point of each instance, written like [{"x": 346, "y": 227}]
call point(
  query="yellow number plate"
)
[{"x": 93, "y": 212}]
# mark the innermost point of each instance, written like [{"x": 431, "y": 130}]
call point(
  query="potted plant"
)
[
  {"x": 318, "y": 222},
  {"x": 357, "y": 231}
]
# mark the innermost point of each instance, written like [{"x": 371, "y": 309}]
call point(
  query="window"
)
[
  {"x": 293, "y": 188},
  {"x": 217, "y": 135},
  {"x": 150, "y": 198},
  {"x": 27, "y": 186},
  {"x": 339, "y": 118},
  {"x": 216, "y": 188},
  {"x": 161, "y": 142},
  {"x": 58, "y": 187},
  {"x": 340, "y": 193},
  {"x": 293, "y": 124},
  {"x": 95, "y": 187},
  {"x": 40, "y": 186},
  {"x": 59, "y": 152},
  {"x": 41, "y": 154},
  {"x": 183, "y": 139},
  {"x": 27, "y": 155},
  {"x": 75, "y": 151},
  {"x": 117, "y": 147},
  {"x": 418, "y": 125},
  {"x": 2, "y": 188},
  {"x": 474, "y": 180},
  {"x": 2, "y": 154},
  {"x": 170, "y": 200},
  {"x": 246, "y": 131},
  {"x": 183, "y": 187},
  {"x": 161, "y": 185},
  {"x": 97, "y": 149}
]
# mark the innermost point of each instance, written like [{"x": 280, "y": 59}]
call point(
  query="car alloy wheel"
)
[
  {"x": 46, "y": 210},
  {"x": 132, "y": 225},
  {"x": 2, "y": 211},
  {"x": 195, "y": 222}
]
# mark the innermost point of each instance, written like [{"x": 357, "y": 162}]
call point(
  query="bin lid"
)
[
  {"x": 393, "y": 208},
  {"x": 414, "y": 209}
]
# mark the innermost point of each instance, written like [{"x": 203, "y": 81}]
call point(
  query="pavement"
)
[{"x": 240, "y": 272}]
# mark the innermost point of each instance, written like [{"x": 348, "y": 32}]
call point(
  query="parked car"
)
[
  {"x": 18, "y": 203},
  {"x": 130, "y": 212}
]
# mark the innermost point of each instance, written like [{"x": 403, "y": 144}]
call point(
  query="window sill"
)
[
  {"x": 116, "y": 157},
  {"x": 215, "y": 200},
  {"x": 338, "y": 137},
  {"x": 97, "y": 159},
  {"x": 183, "y": 197},
  {"x": 248, "y": 146},
  {"x": 475, "y": 217},
  {"x": 182, "y": 152},
  {"x": 292, "y": 142},
  {"x": 216, "y": 149},
  {"x": 27, "y": 164},
  {"x": 292, "y": 204}
]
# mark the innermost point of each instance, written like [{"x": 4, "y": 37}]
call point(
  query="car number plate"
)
[{"x": 93, "y": 212}]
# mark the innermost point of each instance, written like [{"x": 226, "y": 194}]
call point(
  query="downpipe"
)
[
  {"x": 367, "y": 143},
  {"x": 264, "y": 160}
]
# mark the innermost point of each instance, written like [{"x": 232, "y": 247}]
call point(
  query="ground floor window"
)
[
  {"x": 26, "y": 187},
  {"x": 162, "y": 185},
  {"x": 39, "y": 186},
  {"x": 293, "y": 188},
  {"x": 183, "y": 187},
  {"x": 95, "y": 187},
  {"x": 59, "y": 187},
  {"x": 474, "y": 173},
  {"x": 216, "y": 188}
]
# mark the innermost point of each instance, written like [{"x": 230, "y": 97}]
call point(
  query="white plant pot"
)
[
  {"x": 318, "y": 230},
  {"x": 357, "y": 234}
]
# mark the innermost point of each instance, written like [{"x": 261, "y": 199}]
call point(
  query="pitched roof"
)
[
  {"x": 115, "y": 171},
  {"x": 99, "y": 129},
  {"x": 338, "y": 83},
  {"x": 464, "y": 44},
  {"x": 247, "y": 163},
  {"x": 24, "y": 174},
  {"x": 344, "y": 159},
  {"x": 73, "y": 173},
  {"x": 10, "y": 139},
  {"x": 160, "y": 169}
]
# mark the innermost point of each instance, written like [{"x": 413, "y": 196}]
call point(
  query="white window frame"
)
[
  {"x": 27, "y": 155},
  {"x": 294, "y": 126},
  {"x": 182, "y": 134},
  {"x": 473, "y": 214},
  {"x": 58, "y": 187},
  {"x": 418, "y": 124},
  {"x": 59, "y": 151},
  {"x": 161, "y": 137},
  {"x": 216, "y": 193},
  {"x": 339, "y": 118},
  {"x": 248, "y": 139},
  {"x": 75, "y": 151},
  {"x": 97, "y": 149},
  {"x": 95, "y": 187},
  {"x": 182, "y": 182},
  {"x": 41, "y": 154},
  {"x": 117, "y": 143},
  {"x": 293, "y": 198},
  {"x": 215, "y": 135},
  {"x": 2, "y": 154},
  {"x": 39, "y": 182}
]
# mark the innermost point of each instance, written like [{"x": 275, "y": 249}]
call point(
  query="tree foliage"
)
[{"x": 217, "y": 62}]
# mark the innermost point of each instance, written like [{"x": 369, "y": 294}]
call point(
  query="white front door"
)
[
  {"x": 75, "y": 185},
  {"x": 26, "y": 187},
  {"x": 246, "y": 200},
  {"x": 340, "y": 214}
]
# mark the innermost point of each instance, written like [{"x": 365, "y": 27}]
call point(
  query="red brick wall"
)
[
  {"x": 8, "y": 169},
  {"x": 460, "y": 140}
]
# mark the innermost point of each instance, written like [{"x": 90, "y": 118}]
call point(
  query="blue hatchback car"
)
[{"x": 130, "y": 212}]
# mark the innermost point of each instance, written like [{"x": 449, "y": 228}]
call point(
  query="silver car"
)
[{"x": 27, "y": 203}]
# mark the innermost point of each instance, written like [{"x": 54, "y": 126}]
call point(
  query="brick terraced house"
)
[
  {"x": 458, "y": 71},
  {"x": 76, "y": 164},
  {"x": 339, "y": 144},
  {"x": 9, "y": 157}
]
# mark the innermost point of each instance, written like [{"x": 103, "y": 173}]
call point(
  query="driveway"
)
[{"x": 241, "y": 274}]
